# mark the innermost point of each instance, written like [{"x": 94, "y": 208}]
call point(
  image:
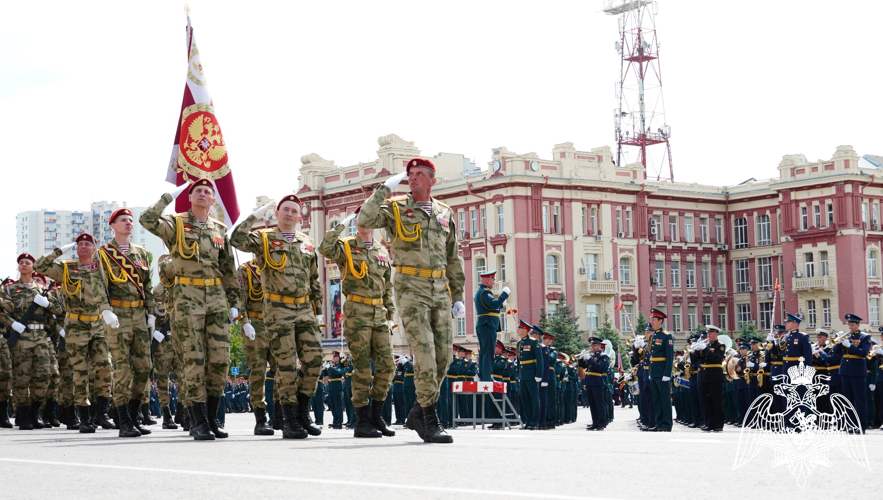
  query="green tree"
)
[
  {"x": 564, "y": 326},
  {"x": 608, "y": 332}
]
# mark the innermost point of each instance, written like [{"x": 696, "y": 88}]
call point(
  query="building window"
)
[
  {"x": 875, "y": 214},
  {"x": 817, "y": 215},
  {"x": 551, "y": 270},
  {"x": 804, "y": 219},
  {"x": 706, "y": 315},
  {"x": 352, "y": 227},
  {"x": 811, "y": 313},
  {"x": 473, "y": 216},
  {"x": 865, "y": 215},
  {"x": 462, "y": 225},
  {"x": 766, "y": 315},
  {"x": 690, "y": 274},
  {"x": 703, "y": 229},
  {"x": 765, "y": 273},
  {"x": 592, "y": 319},
  {"x": 721, "y": 275},
  {"x": 628, "y": 223},
  {"x": 874, "y": 309},
  {"x": 743, "y": 312},
  {"x": 722, "y": 316},
  {"x": 823, "y": 263},
  {"x": 673, "y": 227},
  {"x": 551, "y": 308},
  {"x": 809, "y": 265},
  {"x": 483, "y": 228},
  {"x": 660, "y": 273},
  {"x": 657, "y": 226},
  {"x": 830, "y": 214},
  {"x": 594, "y": 221},
  {"x": 688, "y": 230},
  {"x": 501, "y": 267},
  {"x": 676, "y": 318},
  {"x": 556, "y": 219},
  {"x": 691, "y": 317},
  {"x": 742, "y": 275},
  {"x": 763, "y": 230},
  {"x": 618, "y": 221},
  {"x": 625, "y": 271},
  {"x": 480, "y": 266},
  {"x": 872, "y": 263},
  {"x": 675, "y": 274},
  {"x": 546, "y": 219},
  {"x": 719, "y": 232},
  {"x": 826, "y": 312},
  {"x": 706, "y": 274},
  {"x": 585, "y": 222},
  {"x": 625, "y": 314},
  {"x": 504, "y": 322},
  {"x": 501, "y": 220},
  {"x": 592, "y": 266},
  {"x": 461, "y": 327},
  {"x": 740, "y": 232}
]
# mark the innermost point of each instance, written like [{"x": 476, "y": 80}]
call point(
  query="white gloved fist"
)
[
  {"x": 151, "y": 321},
  {"x": 110, "y": 319},
  {"x": 507, "y": 291},
  {"x": 392, "y": 324},
  {"x": 702, "y": 345},
  {"x": 180, "y": 189},
  {"x": 872, "y": 387},
  {"x": 320, "y": 318},
  {"x": 640, "y": 342},
  {"x": 262, "y": 210},
  {"x": 349, "y": 218},
  {"x": 544, "y": 384},
  {"x": 845, "y": 342},
  {"x": 771, "y": 337},
  {"x": 248, "y": 330},
  {"x": 538, "y": 379},
  {"x": 67, "y": 247},
  {"x": 395, "y": 180},
  {"x": 41, "y": 301},
  {"x": 18, "y": 327},
  {"x": 749, "y": 364},
  {"x": 158, "y": 335},
  {"x": 458, "y": 310},
  {"x": 61, "y": 333},
  {"x": 234, "y": 313},
  {"x": 666, "y": 379},
  {"x": 762, "y": 365}
]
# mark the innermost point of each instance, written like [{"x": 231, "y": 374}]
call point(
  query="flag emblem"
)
[{"x": 203, "y": 152}]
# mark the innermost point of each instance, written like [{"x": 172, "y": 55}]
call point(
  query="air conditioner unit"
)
[
  {"x": 724, "y": 246},
  {"x": 874, "y": 222},
  {"x": 582, "y": 270},
  {"x": 749, "y": 288},
  {"x": 709, "y": 289},
  {"x": 798, "y": 274},
  {"x": 608, "y": 275},
  {"x": 653, "y": 230},
  {"x": 769, "y": 295},
  {"x": 621, "y": 234},
  {"x": 653, "y": 280},
  {"x": 598, "y": 237},
  {"x": 652, "y": 222}
]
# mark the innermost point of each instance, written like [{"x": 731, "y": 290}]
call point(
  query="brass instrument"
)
[
  {"x": 729, "y": 365},
  {"x": 839, "y": 338},
  {"x": 873, "y": 351},
  {"x": 747, "y": 370}
]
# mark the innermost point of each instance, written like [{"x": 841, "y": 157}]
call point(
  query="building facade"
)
[{"x": 614, "y": 243}]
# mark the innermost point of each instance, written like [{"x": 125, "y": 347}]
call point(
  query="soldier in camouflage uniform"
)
[
  {"x": 86, "y": 305},
  {"x": 67, "y": 410},
  {"x": 127, "y": 274},
  {"x": 368, "y": 319},
  {"x": 292, "y": 295},
  {"x": 205, "y": 284},
  {"x": 5, "y": 378},
  {"x": 53, "y": 325},
  {"x": 164, "y": 358},
  {"x": 166, "y": 268},
  {"x": 257, "y": 350},
  {"x": 429, "y": 282}
]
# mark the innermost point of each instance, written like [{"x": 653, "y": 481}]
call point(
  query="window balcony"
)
[
  {"x": 822, "y": 283},
  {"x": 602, "y": 287}
]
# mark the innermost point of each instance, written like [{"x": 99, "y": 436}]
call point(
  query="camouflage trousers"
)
[
  {"x": 164, "y": 360},
  {"x": 293, "y": 329},
  {"x": 5, "y": 371},
  {"x": 368, "y": 337},
  {"x": 54, "y": 373},
  {"x": 205, "y": 343},
  {"x": 30, "y": 367},
  {"x": 66, "y": 384},
  {"x": 130, "y": 350},
  {"x": 424, "y": 305},
  {"x": 88, "y": 356},
  {"x": 258, "y": 354},
  {"x": 178, "y": 348}
]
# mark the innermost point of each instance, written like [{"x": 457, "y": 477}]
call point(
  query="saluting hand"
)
[
  {"x": 395, "y": 180},
  {"x": 180, "y": 189}
]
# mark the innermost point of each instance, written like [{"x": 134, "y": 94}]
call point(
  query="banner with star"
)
[{"x": 199, "y": 150}]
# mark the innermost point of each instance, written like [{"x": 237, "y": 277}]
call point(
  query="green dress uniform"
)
[
  {"x": 532, "y": 364},
  {"x": 661, "y": 360},
  {"x": 487, "y": 324}
]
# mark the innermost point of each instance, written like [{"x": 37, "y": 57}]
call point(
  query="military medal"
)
[
  {"x": 277, "y": 244},
  {"x": 443, "y": 223},
  {"x": 409, "y": 213},
  {"x": 307, "y": 249}
]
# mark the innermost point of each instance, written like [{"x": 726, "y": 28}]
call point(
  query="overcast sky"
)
[{"x": 90, "y": 92}]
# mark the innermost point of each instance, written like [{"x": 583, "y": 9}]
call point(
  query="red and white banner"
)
[
  {"x": 479, "y": 387},
  {"x": 199, "y": 150}
]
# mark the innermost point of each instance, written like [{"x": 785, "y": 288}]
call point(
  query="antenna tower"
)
[{"x": 639, "y": 119}]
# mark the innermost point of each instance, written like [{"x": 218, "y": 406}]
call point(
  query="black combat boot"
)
[
  {"x": 146, "y": 419},
  {"x": 278, "y": 417},
  {"x": 23, "y": 418},
  {"x": 86, "y": 425},
  {"x": 4, "y": 415},
  {"x": 101, "y": 417},
  {"x": 415, "y": 420},
  {"x": 134, "y": 404},
  {"x": 303, "y": 415},
  {"x": 125, "y": 422},
  {"x": 261, "y": 428},
  {"x": 178, "y": 414},
  {"x": 73, "y": 421},
  {"x": 199, "y": 427},
  {"x": 49, "y": 410},
  {"x": 292, "y": 428},
  {"x": 375, "y": 416},
  {"x": 363, "y": 427},
  {"x": 432, "y": 429},
  {"x": 167, "y": 422},
  {"x": 114, "y": 417},
  {"x": 36, "y": 416},
  {"x": 212, "y": 404},
  {"x": 186, "y": 419}
]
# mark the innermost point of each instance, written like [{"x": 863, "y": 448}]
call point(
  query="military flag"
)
[{"x": 199, "y": 150}]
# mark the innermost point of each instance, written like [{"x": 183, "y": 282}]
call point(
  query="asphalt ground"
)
[{"x": 565, "y": 463}]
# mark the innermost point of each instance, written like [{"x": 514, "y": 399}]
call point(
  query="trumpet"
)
[
  {"x": 873, "y": 351},
  {"x": 840, "y": 336}
]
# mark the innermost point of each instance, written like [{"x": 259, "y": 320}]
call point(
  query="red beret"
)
[
  {"x": 201, "y": 182},
  {"x": 117, "y": 213},
  {"x": 85, "y": 237},
  {"x": 420, "y": 162},
  {"x": 38, "y": 275},
  {"x": 290, "y": 197},
  {"x": 358, "y": 209},
  {"x": 26, "y": 256}
]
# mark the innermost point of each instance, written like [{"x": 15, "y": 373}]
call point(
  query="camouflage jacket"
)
[
  {"x": 299, "y": 273},
  {"x": 120, "y": 285},
  {"x": 83, "y": 289},
  {"x": 21, "y": 296},
  {"x": 213, "y": 258},
  {"x": 377, "y": 282},
  {"x": 436, "y": 246},
  {"x": 252, "y": 290},
  {"x": 162, "y": 297}
]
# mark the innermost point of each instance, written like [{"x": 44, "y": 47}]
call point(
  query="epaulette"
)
[
  {"x": 347, "y": 238},
  {"x": 443, "y": 204},
  {"x": 180, "y": 214},
  {"x": 397, "y": 198},
  {"x": 69, "y": 262},
  {"x": 267, "y": 230},
  {"x": 216, "y": 221},
  {"x": 301, "y": 235}
]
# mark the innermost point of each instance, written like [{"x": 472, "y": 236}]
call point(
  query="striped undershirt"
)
[
  {"x": 368, "y": 244},
  {"x": 124, "y": 248},
  {"x": 426, "y": 206},
  {"x": 288, "y": 236}
]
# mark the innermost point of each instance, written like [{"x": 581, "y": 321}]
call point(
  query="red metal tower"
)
[{"x": 640, "y": 118}]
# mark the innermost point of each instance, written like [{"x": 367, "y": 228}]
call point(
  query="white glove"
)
[
  {"x": 666, "y": 379},
  {"x": 158, "y": 335},
  {"x": 458, "y": 310},
  {"x": 544, "y": 384},
  {"x": 701, "y": 345},
  {"x": 762, "y": 365},
  {"x": 771, "y": 337},
  {"x": 18, "y": 327},
  {"x": 180, "y": 189},
  {"x": 538, "y": 379},
  {"x": 395, "y": 180},
  {"x": 234, "y": 313},
  {"x": 391, "y": 323},
  {"x": 506, "y": 290},
  {"x": 262, "y": 210},
  {"x": 320, "y": 318},
  {"x": 872, "y": 387},
  {"x": 845, "y": 342},
  {"x": 640, "y": 342},
  {"x": 61, "y": 333},
  {"x": 67, "y": 247},
  {"x": 749, "y": 364},
  {"x": 346, "y": 220},
  {"x": 41, "y": 301},
  {"x": 151, "y": 321},
  {"x": 110, "y": 319},
  {"x": 248, "y": 330}
]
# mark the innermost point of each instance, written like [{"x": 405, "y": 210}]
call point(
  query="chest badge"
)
[{"x": 307, "y": 249}]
